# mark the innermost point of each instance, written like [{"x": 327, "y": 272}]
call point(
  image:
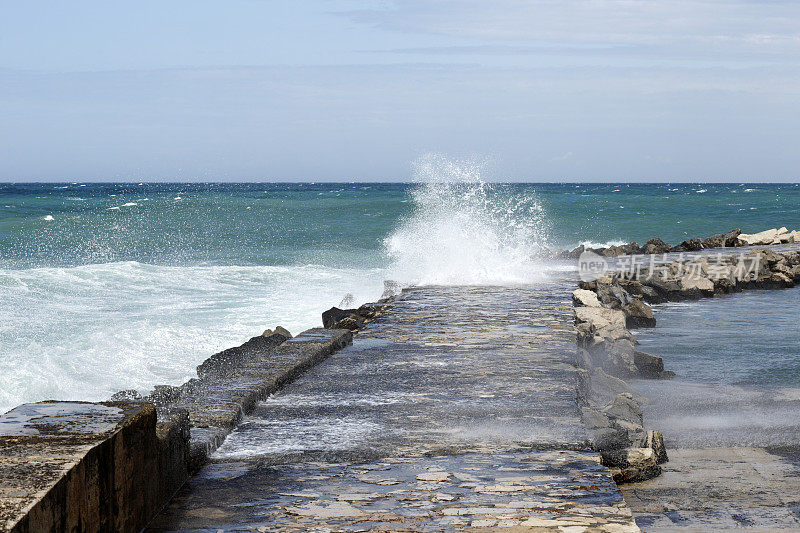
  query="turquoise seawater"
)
[
  {"x": 113, "y": 286},
  {"x": 341, "y": 224}
]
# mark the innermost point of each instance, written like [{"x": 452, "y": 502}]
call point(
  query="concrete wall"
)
[{"x": 73, "y": 466}]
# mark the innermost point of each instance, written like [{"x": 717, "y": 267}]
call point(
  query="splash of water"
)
[{"x": 464, "y": 231}]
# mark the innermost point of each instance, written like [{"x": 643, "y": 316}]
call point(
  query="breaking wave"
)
[{"x": 464, "y": 231}]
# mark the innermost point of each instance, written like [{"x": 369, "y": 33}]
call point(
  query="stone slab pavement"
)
[{"x": 455, "y": 409}]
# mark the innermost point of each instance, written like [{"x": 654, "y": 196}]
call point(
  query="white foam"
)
[
  {"x": 463, "y": 231},
  {"x": 85, "y": 332}
]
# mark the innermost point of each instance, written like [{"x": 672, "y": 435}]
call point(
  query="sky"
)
[{"x": 357, "y": 90}]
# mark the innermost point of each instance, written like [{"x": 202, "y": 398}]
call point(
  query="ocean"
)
[{"x": 117, "y": 286}]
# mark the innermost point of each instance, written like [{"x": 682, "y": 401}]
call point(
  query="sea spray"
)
[{"x": 464, "y": 231}]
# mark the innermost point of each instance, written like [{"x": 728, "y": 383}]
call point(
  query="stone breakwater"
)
[
  {"x": 732, "y": 239},
  {"x": 607, "y": 308},
  {"x": 454, "y": 409},
  {"x": 78, "y": 466}
]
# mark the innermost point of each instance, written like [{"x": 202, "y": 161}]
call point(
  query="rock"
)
[
  {"x": 576, "y": 253},
  {"x": 603, "y": 319},
  {"x": 279, "y": 330},
  {"x": 732, "y": 238},
  {"x": 612, "y": 295},
  {"x": 638, "y": 315},
  {"x": 691, "y": 245},
  {"x": 584, "y": 298},
  {"x": 334, "y": 314},
  {"x": 624, "y": 407},
  {"x": 654, "y": 246},
  {"x": 635, "y": 434},
  {"x": 715, "y": 241},
  {"x": 594, "y": 419},
  {"x": 755, "y": 239},
  {"x": 612, "y": 251},
  {"x": 793, "y": 236},
  {"x": 649, "y": 366},
  {"x": 655, "y": 441},
  {"x": 605, "y": 388},
  {"x": 353, "y": 323},
  {"x": 694, "y": 286},
  {"x": 639, "y": 290},
  {"x": 634, "y": 464},
  {"x": 609, "y": 439}
]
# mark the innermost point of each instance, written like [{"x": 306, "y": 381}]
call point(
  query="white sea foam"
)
[
  {"x": 86, "y": 332},
  {"x": 463, "y": 231}
]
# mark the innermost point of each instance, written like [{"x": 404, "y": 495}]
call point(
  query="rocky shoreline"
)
[
  {"x": 732, "y": 239},
  {"x": 609, "y": 307}
]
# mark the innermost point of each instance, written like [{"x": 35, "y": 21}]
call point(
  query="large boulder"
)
[
  {"x": 612, "y": 294},
  {"x": 761, "y": 238},
  {"x": 638, "y": 315},
  {"x": 691, "y": 245},
  {"x": 732, "y": 238},
  {"x": 641, "y": 291},
  {"x": 654, "y": 246},
  {"x": 624, "y": 407},
  {"x": 609, "y": 323},
  {"x": 584, "y": 298},
  {"x": 334, "y": 314},
  {"x": 630, "y": 465},
  {"x": 649, "y": 365},
  {"x": 715, "y": 241}
]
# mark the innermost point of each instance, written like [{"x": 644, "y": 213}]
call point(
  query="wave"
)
[
  {"x": 86, "y": 332},
  {"x": 463, "y": 231}
]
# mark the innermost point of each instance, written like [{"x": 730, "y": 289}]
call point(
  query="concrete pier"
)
[
  {"x": 75, "y": 466},
  {"x": 455, "y": 409}
]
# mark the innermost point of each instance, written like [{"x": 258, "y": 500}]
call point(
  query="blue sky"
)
[{"x": 557, "y": 90}]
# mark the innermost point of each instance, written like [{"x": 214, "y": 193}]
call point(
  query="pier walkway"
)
[{"x": 456, "y": 409}]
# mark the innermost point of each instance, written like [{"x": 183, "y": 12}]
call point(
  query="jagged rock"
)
[
  {"x": 334, "y": 314},
  {"x": 624, "y": 407},
  {"x": 576, "y": 253},
  {"x": 732, "y": 238},
  {"x": 609, "y": 439},
  {"x": 694, "y": 286},
  {"x": 691, "y": 245},
  {"x": 352, "y": 322},
  {"x": 649, "y": 366},
  {"x": 594, "y": 419},
  {"x": 655, "y": 441},
  {"x": 638, "y": 315},
  {"x": 763, "y": 237},
  {"x": 584, "y": 298},
  {"x": 602, "y": 318},
  {"x": 632, "y": 464},
  {"x": 635, "y": 434},
  {"x": 654, "y": 246},
  {"x": 605, "y": 388},
  {"x": 612, "y": 295},
  {"x": 612, "y": 251},
  {"x": 279, "y": 330},
  {"x": 715, "y": 241},
  {"x": 639, "y": 290}
]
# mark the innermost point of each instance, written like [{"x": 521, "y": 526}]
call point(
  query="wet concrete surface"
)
[
  {"x": 718, "y": 488},
  {"x": 456, "y": 409}
]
